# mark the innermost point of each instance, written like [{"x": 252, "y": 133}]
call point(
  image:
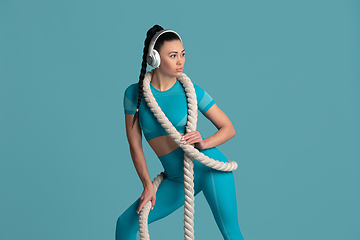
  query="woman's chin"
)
[{"x": 178, "y": 73}]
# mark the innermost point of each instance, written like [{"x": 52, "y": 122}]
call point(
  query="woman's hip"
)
[{"x": 173, "y": 163}]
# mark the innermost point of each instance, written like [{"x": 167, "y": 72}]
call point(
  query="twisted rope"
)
[
  {"x": 144, "y": 212},
  {"x": 190, "y": 153}
]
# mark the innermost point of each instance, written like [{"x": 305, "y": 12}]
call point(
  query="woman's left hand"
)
[{"x": 194, "y": 137}]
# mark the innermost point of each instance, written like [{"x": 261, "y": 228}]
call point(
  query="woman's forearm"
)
[
  {"x": 139, "y": 161},
  {"x": 223, "y": 135},
  {"x": 225, "y": 128}
]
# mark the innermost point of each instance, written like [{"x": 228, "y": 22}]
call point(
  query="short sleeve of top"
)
[
  {"x": 130, "y": 99},
  {"x": 205, "y": 102}
]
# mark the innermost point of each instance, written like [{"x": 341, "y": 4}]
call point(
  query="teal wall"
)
[{"x": 287, "y": 73}]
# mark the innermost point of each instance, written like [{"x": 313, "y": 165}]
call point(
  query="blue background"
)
[{"x": 287, "y": 73}]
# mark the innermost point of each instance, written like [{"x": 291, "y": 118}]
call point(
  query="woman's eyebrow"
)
[{"x": 176, "y": 51}]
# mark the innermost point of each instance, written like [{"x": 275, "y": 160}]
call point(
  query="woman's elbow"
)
[
  {"x": 135, "y": 148},
  {"x": 232, "y": 131}
]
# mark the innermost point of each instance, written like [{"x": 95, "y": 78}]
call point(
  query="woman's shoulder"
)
[
  {"x": 132, "y": 89},
  {"x": 131, "y": 92},
  {"x": 199, "y": 91},
  {"x": 205, "y": 101},
  {"x": 198, "y": 88}
]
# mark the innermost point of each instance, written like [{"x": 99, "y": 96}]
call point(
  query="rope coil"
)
[{"x": 190, "y": 153}]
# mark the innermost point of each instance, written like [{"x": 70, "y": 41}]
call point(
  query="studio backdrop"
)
[{"x": 285, "y": 72}]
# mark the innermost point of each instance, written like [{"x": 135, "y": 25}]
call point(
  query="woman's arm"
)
[
  {"x": 225, "y": 131},
  {"x": 134, "y": 137}
]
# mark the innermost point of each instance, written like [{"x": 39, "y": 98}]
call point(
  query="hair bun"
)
[{"x": 152, "y": 31}]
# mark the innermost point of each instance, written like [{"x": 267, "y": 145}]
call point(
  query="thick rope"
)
[
  {"x": 144, "y": 212},
  {"x": 190, "y": 153}
]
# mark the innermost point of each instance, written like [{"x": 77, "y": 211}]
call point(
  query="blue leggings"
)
[{"x": 218, "y": 188}]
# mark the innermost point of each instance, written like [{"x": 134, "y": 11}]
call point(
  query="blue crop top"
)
[{"x": 172, "y": 102}]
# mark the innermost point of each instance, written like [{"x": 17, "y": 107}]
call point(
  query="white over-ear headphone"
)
[{"x": 153, "y": 57}]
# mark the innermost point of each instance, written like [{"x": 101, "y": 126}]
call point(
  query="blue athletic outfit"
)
[{"x": 218, "y": 187}]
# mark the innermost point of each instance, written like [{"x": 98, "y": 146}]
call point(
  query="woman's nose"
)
[{"x": 180, "y": 60}]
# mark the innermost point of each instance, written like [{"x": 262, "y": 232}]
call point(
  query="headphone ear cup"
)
[
  {"x": 150, "y": 60},
  {"x": 156, "y": 59}
]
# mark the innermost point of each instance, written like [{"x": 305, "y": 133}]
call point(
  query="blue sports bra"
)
[{"x": 172, "y": 102}]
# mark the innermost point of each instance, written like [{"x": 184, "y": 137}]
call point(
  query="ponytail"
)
[{"x": 149, "y": 35}]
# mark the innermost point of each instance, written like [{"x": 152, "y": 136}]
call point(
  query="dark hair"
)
[{"x": 168, "y": 36}]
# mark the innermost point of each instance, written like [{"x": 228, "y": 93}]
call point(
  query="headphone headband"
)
[{"x": 150, "y": 56}]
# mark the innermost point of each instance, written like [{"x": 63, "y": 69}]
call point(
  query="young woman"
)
[{"x": 218, "y": 187}]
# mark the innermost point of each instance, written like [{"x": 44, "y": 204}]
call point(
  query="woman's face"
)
[{"x": 172, "y": 55}]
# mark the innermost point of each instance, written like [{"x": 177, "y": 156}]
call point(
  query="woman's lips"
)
[{"x": 179, "y": 69}]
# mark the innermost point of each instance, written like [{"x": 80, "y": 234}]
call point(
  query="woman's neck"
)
[{"x": 161, "y": 81}]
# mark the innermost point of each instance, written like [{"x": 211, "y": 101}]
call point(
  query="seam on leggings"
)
[
  {"x": 217, "y": 205},
  {"x": 201, "y": 178}
]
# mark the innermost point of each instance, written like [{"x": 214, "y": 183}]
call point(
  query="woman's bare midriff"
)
[{"x": 163, "y": 145}]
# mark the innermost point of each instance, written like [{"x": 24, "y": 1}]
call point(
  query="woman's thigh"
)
[
  {"x": 219, "y": 190},
  {"x": 169, "y": 197}
]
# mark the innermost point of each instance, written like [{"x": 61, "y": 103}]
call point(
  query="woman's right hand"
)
[{"x": 147, "y": 195}]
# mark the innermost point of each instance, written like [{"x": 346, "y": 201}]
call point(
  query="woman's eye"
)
[
  {"x": 183, "y": 54},
  {"x": 173, "y": 55}
]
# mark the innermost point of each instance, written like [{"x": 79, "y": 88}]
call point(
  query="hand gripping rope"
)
[{"x": 190, "y": 153}]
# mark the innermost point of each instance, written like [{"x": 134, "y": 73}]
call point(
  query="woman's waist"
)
[
  {"x": 163, "y": 145},
  {"x": 173, "y": 162}
]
